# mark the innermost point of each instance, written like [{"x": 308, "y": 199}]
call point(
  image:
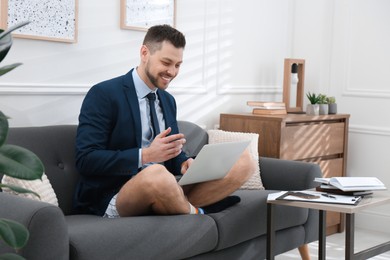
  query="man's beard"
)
[{"x": 152, "y": 78}]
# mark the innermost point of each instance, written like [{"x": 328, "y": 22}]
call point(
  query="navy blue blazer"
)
[{"x": 108, "y": 140}]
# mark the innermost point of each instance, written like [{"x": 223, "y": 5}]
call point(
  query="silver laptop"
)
[{"x": 213, "y": 162}]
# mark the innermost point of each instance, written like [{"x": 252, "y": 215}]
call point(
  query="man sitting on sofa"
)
[{"x": 127, "y": 165}]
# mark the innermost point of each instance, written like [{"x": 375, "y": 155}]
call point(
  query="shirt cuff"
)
[{"x": 140, "y": 158}]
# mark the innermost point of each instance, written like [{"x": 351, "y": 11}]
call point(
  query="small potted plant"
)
[
  {"x": 332, "y": 106},
  {"x": 323, "y": 104},
  {"x": 313, "y": 107}
]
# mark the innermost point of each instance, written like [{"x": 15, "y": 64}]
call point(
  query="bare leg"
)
[
  {"x": 206, "y": 193},
  {"x": 153, "y": 190},
  {"x": 304, "y": 252}
]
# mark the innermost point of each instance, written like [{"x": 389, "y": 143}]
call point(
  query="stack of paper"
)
[
  {"x": 350, "y": 185},
  {"x": 314, "y": 196}
]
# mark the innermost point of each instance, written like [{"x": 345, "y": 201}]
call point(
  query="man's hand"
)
[
  {"x": 163, "y": 147},
  {"x": 186, "y": 165}
]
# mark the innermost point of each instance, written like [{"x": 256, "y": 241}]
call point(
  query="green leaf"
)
[
  {"x": 5, "y": 45},
  {"x": 6, "y": 38},
  {"x": 18, "y": 189},
  {"x": 13, "y": 233},
  {"x": 12, "y": 28},
  {"x": 313, "y": 98},
  {"x": 10, "y": 256},
  {"x": 3, "y": 128},
  {"x": 8, "y": 68},
  {"x": 20, "y": 163}
]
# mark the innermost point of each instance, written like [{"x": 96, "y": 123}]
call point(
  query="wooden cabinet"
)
[{"x": 321, "y": 139}]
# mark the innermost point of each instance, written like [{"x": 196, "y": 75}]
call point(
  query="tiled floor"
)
[{"x": 335, "y": 246}]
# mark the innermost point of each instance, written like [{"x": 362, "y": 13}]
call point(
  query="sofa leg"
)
[{"x": 304, "y": 252}]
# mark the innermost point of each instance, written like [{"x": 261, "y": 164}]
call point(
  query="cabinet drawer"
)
[
  {"x": 332, "y": 167},
  {"x": 312, "y": 140}
]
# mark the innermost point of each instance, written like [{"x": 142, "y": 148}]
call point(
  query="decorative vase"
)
[
  {"x": 323, "y": 109},
  {"x": 312, "y": 109},
  {"x": 332, "y": 108}
]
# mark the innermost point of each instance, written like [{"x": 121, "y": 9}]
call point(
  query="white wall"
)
[
  {"x": 360, "y": 75},
  {"x": 234, "y": 54},
  {"x": 224, "y": 66}
]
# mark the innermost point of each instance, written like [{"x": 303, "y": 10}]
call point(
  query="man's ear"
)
[{"x": 144, "y": 52}]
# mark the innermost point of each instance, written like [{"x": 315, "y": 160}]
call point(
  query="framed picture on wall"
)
[
  {"x": 52, "y": 20},
  {"x": 142, "y": 14}
]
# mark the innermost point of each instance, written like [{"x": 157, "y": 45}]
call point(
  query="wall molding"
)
[
  {"x": 81, "y": 89},
  {"x": 22, "y": 89},
  {"x": 192, "y": 90},
  {"x": 348, "y": 90},
  {"x": 370, "y": 130},
  {"x": 257, "y": 89},
  {"x": 43, "y": 89},
  {"x": 366, "y": 93}
]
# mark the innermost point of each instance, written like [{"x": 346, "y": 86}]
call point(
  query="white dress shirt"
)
[{"x": 142, "y": 90}]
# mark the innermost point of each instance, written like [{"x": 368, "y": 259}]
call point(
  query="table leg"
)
[
  {"x": 322, "y": 235},
  {"x": 270, "y": 232},
  {"x": 349, "y": 236}
]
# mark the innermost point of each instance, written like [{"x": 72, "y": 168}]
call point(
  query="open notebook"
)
[
  {"x": 352, "y": 183},
  {"x": 213, "y": 162}
]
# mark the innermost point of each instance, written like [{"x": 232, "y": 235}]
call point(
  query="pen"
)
[{"x": 328, "y": 196}]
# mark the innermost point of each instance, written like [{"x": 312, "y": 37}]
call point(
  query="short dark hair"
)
[{"x": 159, "y": 33}]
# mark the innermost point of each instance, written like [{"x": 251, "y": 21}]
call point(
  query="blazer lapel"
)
[{"x": 132, "y": 99}]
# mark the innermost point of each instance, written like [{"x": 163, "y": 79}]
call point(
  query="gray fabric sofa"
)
[{"x": 238, "y": 232}]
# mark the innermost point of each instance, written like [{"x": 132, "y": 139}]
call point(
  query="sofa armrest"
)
[
  {"x": 49, "y": 237},
  {"x": 278, "y": 174}
]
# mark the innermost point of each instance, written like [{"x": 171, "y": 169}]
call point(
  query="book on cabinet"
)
[
  {"x": 267, "y": 108},
  {"x": 260, "y": 111}
]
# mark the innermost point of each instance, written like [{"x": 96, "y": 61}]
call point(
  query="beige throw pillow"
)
[
  {"x": 42, "y": 187},
  {"x": 220, "y": 136}
]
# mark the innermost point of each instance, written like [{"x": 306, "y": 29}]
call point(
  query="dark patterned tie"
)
[{"x": 153, "y": 115}]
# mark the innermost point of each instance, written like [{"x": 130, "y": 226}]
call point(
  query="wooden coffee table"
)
[{"x": 369, "y": 201}]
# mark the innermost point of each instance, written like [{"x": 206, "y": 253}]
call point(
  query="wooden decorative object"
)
[
  {"x": 294, "y": 102},
  {"x": 142, "y": 14}
]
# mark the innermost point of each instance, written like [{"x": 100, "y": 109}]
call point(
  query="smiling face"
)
[{"x": 160, "y": 64}]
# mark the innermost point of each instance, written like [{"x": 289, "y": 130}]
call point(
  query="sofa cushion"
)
[
  {"x": 145, "y": 237},
  {"x": 196, "y": 137},
  {"x": 42, "y": 187},
  {"x": 219, "y": 136},
  {"x": 248, "y": 219},
  {"x": 55, "y": 146}
]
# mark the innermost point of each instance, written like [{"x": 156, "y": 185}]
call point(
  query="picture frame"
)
[
  {"x": 142, "y": 14},
  {"x": 3, "y": 14},
  {"x": 293, "y": 96},
  {"x": 50, "y": 20}
]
